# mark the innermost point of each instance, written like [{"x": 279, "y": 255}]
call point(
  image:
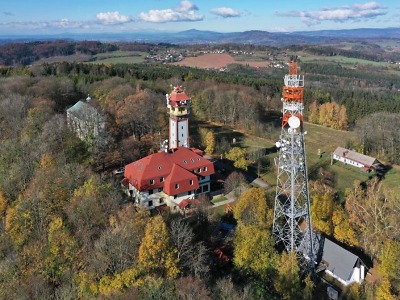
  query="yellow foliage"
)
[
  {"x": 238, "y": 156},
  {"x": 3, "y": 205},
  {"x": 252, "y": 208},
  {"x": 156, "y": 252},
  {"x": 254, "y": 250},
  {"x": 87, "y": 287},
  {"x": 46, "y": 161},
  {"x": 343, "y": 230},
  {"x": 383, "y": 290}
]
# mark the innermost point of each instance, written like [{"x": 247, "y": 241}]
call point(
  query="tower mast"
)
[
  {"x": 292, "y": 220},
  {"x": 178, "y": 104}
]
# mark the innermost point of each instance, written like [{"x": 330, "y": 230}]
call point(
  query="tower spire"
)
[{"x": 292, "y": 220}]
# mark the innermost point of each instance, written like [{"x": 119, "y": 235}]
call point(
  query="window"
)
[
  {"x": 161, "y": 200},
  {"x": 189, "y": 192},
  {"x": 175, "y": 196},
  {"x": 150, "y": 192},
  {"x": 192, "y": 160},
  {"x": 191, "y": 182},
  {"x": 204, "y": 168},
  {"x": 205, "y": 188},
  {"x": 152, "y": 181},
  {"x": 160, "y": 189},
  {"x": 150, "y": 203},
  {"x": 162, "y": 179},
  {"x": 199, "y": 170},
  {"x": 177, "y": 185},
  {"x": 184, "y": 161}
]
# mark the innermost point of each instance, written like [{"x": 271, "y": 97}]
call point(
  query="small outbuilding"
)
[{"x": 341, "y": 264}]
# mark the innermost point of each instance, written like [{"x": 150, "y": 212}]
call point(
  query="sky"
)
[{"x": 27, "y": 17}]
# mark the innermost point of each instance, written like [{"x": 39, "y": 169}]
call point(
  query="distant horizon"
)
[
  {"x": 49, "y": 17},
  {"x": 155, "y": 31}
]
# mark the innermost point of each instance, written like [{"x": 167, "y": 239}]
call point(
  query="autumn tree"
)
[
  {"x": 322, "y": 208},
  {"x": 288, "y": 283},
  {"x": 157, "y": 255},
  {"x": 373, "y": 211},
  {"x": 90, "y": 208},
  {"x": 252, "y": 209},
  {"x": 238, "y": 157},
  {"x": 234, "y": 182},
  {"x": 252, "y": 233},
  {"x": 313, "y": 113},
  {"x": 61, "y": 253}
]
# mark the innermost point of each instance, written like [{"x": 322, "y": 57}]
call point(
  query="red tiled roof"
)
[
  {"x": 187, "y": 202},
  {"x": 193, "y": 162},
  {"x": 177, "y": 95},
  {"x": 145, "y": 174},
  {"x": 180, "y": 181}
]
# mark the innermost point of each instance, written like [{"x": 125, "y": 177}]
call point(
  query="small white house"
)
[
  {"x": 341, "y": 264},
  {"x": 354, "y": 158}
]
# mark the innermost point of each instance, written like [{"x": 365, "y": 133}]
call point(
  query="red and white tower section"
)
[
  {"x": 178, "y": 104},
  {"x": 292, "y": 221}
]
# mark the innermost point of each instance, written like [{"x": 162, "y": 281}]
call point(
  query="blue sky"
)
[{"x": 78, "y": 16}]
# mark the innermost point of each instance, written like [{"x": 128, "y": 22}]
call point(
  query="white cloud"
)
[
  {"x": 225, "y": 12},
  {"x": 112, "y": 18},
  {"x": 185, "y": 11},
  {"x": 355, "y": 12}
]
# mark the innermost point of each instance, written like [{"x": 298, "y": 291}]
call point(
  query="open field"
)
[
  {"x": 342, "y": 60},
  {"x": 317, "y": 137},
  {"x": 123, "y": 57},
  {"x": 216, "y": 61}
]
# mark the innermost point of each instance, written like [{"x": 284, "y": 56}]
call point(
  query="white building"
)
[{"x": 354, "y": 158}]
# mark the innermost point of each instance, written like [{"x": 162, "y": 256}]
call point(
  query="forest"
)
[{"x": 68, "y": 232}]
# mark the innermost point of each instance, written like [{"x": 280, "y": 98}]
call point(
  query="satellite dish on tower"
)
[{"x": 294, "y": 122}]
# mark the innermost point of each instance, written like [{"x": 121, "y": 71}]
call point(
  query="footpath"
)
[{"x": 230, "y": 197}]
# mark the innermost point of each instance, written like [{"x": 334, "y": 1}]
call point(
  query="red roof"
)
[
  {"x": 165, "y": 169},
  {"x": 178, "y": 95},
  {"x": 187, "y": 202},
  {"x": 180, "y": 181}
]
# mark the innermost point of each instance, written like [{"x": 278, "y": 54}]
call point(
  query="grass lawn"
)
[{"x": 219, "y": 199}]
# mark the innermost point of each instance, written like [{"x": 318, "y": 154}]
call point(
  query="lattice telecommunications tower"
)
[{"x": 292, "y": 222}]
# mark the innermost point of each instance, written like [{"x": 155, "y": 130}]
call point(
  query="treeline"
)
[
  {"x": 16, "y": 54},
  {"x": 363, "y": 50}
]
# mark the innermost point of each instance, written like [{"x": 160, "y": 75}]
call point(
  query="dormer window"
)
[
  {"x": 185, "y": 161},
  {"x": 191, "y": 182},
  {"x": 151, "y": 181},
  {"x": 192, "y": 160},
  {"x": 199, "y": 170},
  {"x": 176, "y": 185},
  {"x": 204, "y": 168},
  {"x": 162, "y": 179}
]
